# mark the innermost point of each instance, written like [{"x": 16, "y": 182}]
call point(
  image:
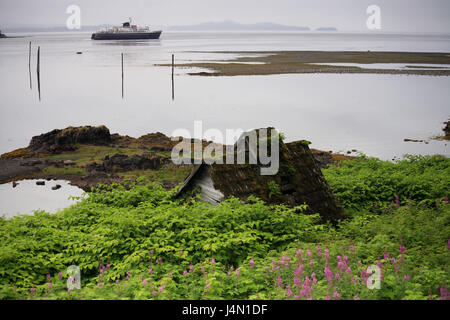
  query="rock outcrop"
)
[
  {"x": 446, "y": 130},
  {"x": 58, "y": 141}
]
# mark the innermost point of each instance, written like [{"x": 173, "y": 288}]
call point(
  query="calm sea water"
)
[{"x": 370, "y": 113}]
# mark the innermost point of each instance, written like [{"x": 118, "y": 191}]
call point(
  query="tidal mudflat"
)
[{"x": 282, "y": 62}]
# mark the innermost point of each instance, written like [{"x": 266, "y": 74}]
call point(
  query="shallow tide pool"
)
[{"x": 27, "y": 197}]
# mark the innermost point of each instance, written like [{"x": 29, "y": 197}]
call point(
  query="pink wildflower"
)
[
  {"x": 288, "y": 291},
  {"x": 299, "y": 271},
  {"x": 238, "y": 270},
  {"x": 252, "y": 262},
  {"x": 328, "y": 274}
]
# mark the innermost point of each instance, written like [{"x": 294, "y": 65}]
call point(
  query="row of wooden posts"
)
[
  {"x": 173, "y": 68},
  {"x": 38, "y": 71}
]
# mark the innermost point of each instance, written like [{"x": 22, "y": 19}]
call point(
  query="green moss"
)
[
  {"x": 175, "y": 174},
  {"x": 75, "y": 171}
]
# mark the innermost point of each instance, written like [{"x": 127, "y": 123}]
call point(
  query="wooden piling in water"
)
[
  {"x": 122, "y": 75},
  {"x": 29, "y": 65},
  {"x": 38, "y": 71},
  {"x": 173, "y": 62},
  {"x": 173, "y": 84}
]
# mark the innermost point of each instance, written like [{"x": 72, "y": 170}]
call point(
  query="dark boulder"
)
[{"x": 58, "y": 141}]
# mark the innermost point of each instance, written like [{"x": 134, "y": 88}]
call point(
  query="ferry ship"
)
[{"x": 126, "y": 32}]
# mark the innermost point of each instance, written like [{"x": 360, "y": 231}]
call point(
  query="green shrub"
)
[{"x": 370, "y": 182}]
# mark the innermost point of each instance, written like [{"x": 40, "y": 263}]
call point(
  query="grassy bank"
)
[{"x": 142, "y": 244}]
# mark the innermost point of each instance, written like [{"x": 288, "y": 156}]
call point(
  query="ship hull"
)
[{"x": 126, "y": 36}]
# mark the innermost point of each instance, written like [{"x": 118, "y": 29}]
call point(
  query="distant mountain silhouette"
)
[
  {"x": 326, "y": 29},
  {"x": 234, "y": 26},
  {"x": 52, "y": 29}
]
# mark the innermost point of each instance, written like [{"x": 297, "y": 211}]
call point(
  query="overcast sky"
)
[{"x": 346, "y": 15}]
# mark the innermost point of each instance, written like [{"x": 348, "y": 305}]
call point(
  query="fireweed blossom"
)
[
  {"x": 238, "y": 270},
  {"x": 352, "y": 248},
  {"x": 279, "y": 281},
  {"x": 336, "y": 295},
  {"x": 297, "y": 282},
  {"x": 328, "y": 274},
  {"x": 288, "y": 291},
  {"x": 252, "y": 262},
  {"x": 327, "y": 253},
  {"x": 319, "y": 252},
  {"x": 299, "y": 271}
]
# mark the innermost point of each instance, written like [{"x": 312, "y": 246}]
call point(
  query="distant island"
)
[
  {"x": 234, "y": 26},
  {"x": 326, "y": 29},
  {"x": 53, "y": 29},
  {"x": 2, "y": 35}
]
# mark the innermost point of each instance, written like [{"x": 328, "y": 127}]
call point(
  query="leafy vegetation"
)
[
  {"x": 373, "y": 183},
  {"x": 141, "y": 243}
]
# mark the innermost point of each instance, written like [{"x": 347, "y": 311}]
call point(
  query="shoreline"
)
[{"x": 120, "y": 159}]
